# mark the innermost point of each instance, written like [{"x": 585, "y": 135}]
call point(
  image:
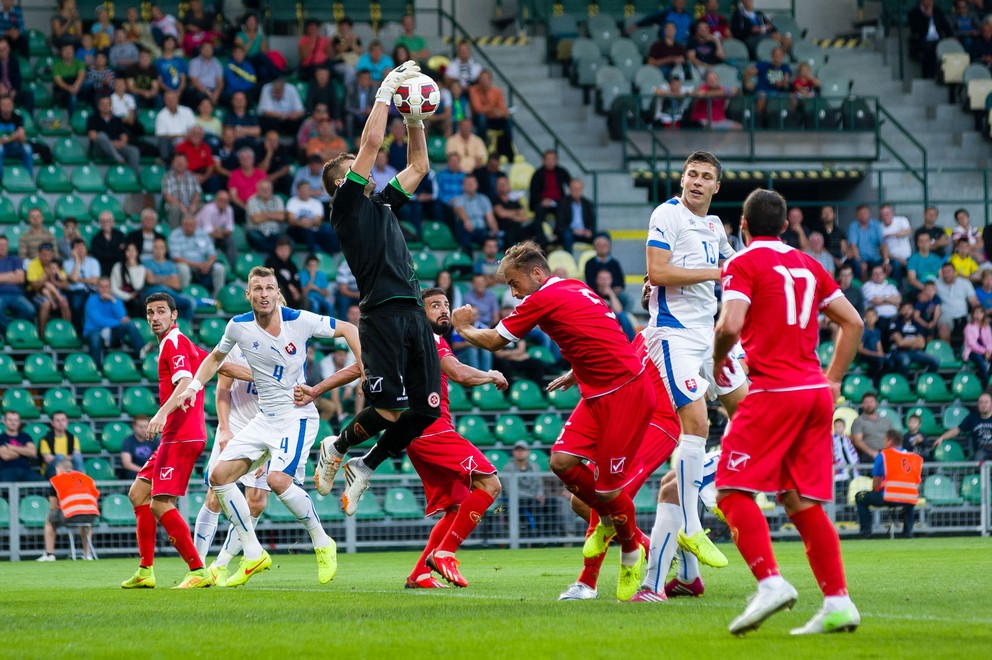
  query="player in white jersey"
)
[
  {"x": 273, "y": 339},
  {"x": 684, "y": 249}
]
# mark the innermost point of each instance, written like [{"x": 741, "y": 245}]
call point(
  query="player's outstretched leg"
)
[
  {"x": 298, "y": 502},
  {"x": 420, "y": 577},
  {"x": 470, "y": 513},
  {"x": 328, "y": 463}
]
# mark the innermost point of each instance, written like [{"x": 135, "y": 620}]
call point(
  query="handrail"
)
[
  {"x": 652, "y": 162},
  {"x": 922, "y": 175}
]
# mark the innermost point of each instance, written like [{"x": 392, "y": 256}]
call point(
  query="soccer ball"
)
[{"x": 418, "y": 98}]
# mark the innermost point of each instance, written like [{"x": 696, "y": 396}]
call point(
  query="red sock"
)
[
  {"x": 822, "y": 549},
  {"x": 469, "y": 515},
  {"x": 591, "y": 565},
  {"x": 751, "y": 534},
  {"x": 180, "y": 538},
  {"x": 621, "y": 510},
  {"x": 581, "y": 481},
  {"x": 438, "y": 533},
  {"x": 146, "y": 529}
]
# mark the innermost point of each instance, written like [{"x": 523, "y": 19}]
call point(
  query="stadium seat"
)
[
  {"x": 435, "y": 149},
  {"x": 928, "y": 424},
  {"x": 953, "y": 416},
  {"x": 966, "y": 386},
  {"x": 932, "y": 389},
  {"x": 971, "y": 489},
  {"x": 145, "y": 330},
  {"x": 825, "y": 351},
  {"x": 99, "y": 402},
  {"x": 4, "y": 514},
  {"x": 646, "y": 501},
  {"x": 646, "y": 80},
  {"x": 943, "y": 352},
  {"x": 9, "y": 374},
  {"x": 526, "y": 395},
  {"x": 39, "y": 369},
  {"x": 37, "y": 44},
  {"x": 603, "y": 30},
  {"x": 460, "y": 265},
  {"x": 118, "y": 367},
  {"x": 369, "y": 508},
  {"x": 194, "y": 501},
  {"x": 77, "y": 122},
  {"x": 43, "y": 67},
  {"x": 457, "y": 399},
  {"x": 474, "y": 429},
  {"x": 33, "y": 511},
  {"x": 848, "y": 414},
  {"x": 99, "y": 469},
  {"x": 892, "y": 416},
  {"x": 112, "y": 436},
  {"x": 232, "y": 300},
  {"x": 139, "y": 401},
  {"x": 510, "y": 429},
  {"x": 117, "y": 510},
  {"x": 22, "y": 402},
  {"x": 52, "y": 179},
  {"x": 59, "y": 399},
  {"x": 855, "y": 387},
  {"x": 34, "y": 201},
  {"x": 85, "y": 437},
  {"x": 52, "y": 122},
  {"x": 37, "y": 431},
  {"x": 547, "y": 428},
  {"x": 426, "y": 266},
  {"x": 211, "y": 330},
  {"x": 328, "y": 507},
  {"x": 71, "y": 206},
  {"x": 952, "y": 66},
  {"x": 541, "y": 458},
  {"x": 245, "y": 262},
  {"x": 542, "y": 354},
  {"x": 67, "y": 151},
  {"x": 42, "y": 99},
  {"x": 8, "y": 214},
  {"x": 23, "y": 336},
  {"x": 16, "y": 179},
  {"x": 276, "y": 512},
  {"x": 103, "y": 203},
  {"x": 736, "y": 52},
  {"x": 894, "y": 388},
  {"x": 60, "y": 335},
  {"x": 564, "y": 400},
  {"x": 437, "y": 236},
  {"x": 149, "y": 366},
  {"x": 626, "y": 56},
  {"x": 562, "y": 259},
  {"x": 402, "y": 504},
  {"x": 210, "y": 400},
  {"x": 13, "y": 234},
  {"x": 940, "y": 490},
  {"x": 146, "y": 118},
  {"x": 87, "y": 179},
  {"x": 644, "y": 37},
  {"x": 948, "y": 451},
  {"x": 487, "y": 397},
  {"x": 497, "y": 457},
  {"x": 151, "y": 178},
  {"x": 520, "y": 175},
  {"x": 122, "y": 179}
]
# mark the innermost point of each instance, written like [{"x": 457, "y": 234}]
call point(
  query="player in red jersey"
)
[
  {"x": 780, "y": 438},
  {"x": 458, "y": 479},
  {"x": 607, "y": 426}
]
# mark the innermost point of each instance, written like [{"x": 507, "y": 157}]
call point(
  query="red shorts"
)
[
  {"x": 608, "y": 430},
  {"x": 780, "y": 441},
  {"x": 446, "y": 462},
  {"x": 658, "y": 445},
  {"x": 171, "y": 466}
]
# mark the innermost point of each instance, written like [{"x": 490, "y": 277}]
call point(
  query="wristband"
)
[{"x": 195, "y": 385}]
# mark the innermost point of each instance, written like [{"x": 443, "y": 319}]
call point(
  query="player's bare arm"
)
[
  {"x": 157, "y": 422},
  {"x": 842, "y": 312},
  {"x": 470, "y": 376},
  {"x": 304, "y": 394},
  {"x": 350, "y": 334},
  {"x": 417, "y": 163},
  {"x": 487, "y": 338},
  {"x": 661, "y": 272},
  {"x": 235, "y": 372},
  {"x": 563, "y": 382},
  {"x": 375, "y": 125},
  {"x": 207, "y": 369},
  {"x": 728, "y": 331},
  {"x": 223, "y": 400}
]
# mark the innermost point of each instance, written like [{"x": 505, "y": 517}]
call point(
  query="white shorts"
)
[
  {"x": 285, "y": 439},
  {"x": 685, "y": 359},
  {"x": 249, "y": 480}
]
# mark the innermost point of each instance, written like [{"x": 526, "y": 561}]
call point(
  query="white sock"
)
[
  {"x": 772, "y": 582},
  {"x": 834, "y": 603},
  {"x": 689, "y": 477},
  {"x": 232, "y": 545},
  {"x": 301, "y": 506},
  {"x": 236, "y": 509},
  {"x": 663, "y": 545},
  {"x": 203, "y": 532},
  {"x": 688, "y": 566}
]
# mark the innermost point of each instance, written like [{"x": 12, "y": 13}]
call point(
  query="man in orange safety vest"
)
[
  {"x": 73, "y": 499},
  {"x": 895, "y": 483}
]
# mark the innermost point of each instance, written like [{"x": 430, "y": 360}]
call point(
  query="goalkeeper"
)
[{"x": 403, "y": 374}]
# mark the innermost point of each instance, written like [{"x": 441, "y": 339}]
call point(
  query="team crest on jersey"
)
[
  {"x": 178, "y": 361},
  {"x": 433, "y": 400},
  {"x": 690, "y": 384},
  {"x": 712, "y": 227},
  {"x": 469, "y": 464},
  {"x": 255, "y": 345},
  {"x": 616, "y": 465},
  {"x": 291, "y": 348},
  {"x": 166, "y": 473},
  {"x": 737, "y": 460}
]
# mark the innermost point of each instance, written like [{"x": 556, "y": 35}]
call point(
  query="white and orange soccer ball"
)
[{"x": 418, "y": 98}]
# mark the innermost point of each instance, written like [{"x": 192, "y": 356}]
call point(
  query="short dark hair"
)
[
  {"x": 334, "y": 170},
  {"x": 432, "y": 292},
  {"x": 893, "y": 436},
  {"x": 764, "y": 211},
  {"x": 704, "y": 157},
  {"x": 311, "y": 257},
  {"x": 161, "y": 296},
  {"x": 961, "y": 210},
  {"x": 868, "y": 394},
  {"x": 77, "y": 241}
]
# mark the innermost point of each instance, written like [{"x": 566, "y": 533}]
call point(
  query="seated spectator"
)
[
  {"x": 48, "y": 283},
  {"x": 415, "y": 44},
  {"x": 704, "y": 48},
  {"x": 382, "y": 172},
  {"x": 162, "y": 276},
  {"x": 604, "y": 287},
  {"x": 834, "y": 237},
  {"x": 869, "y": 429},
  {"x": 12, "y": 27},
  {"x": 99, "y": 81},
  {"x": 957, "y": 296},
  {"x": 142, "y": 82},
  {"x": 210, "y": 123},
  {"x": 123, "y": 54},
  {"x": 243, "y": 183},
  {"x": 267, "y": 218},
  {"x": 35, "y": 235},
  {"x": 464, "y": 69},
  {"x": 308, "y": 129},
  {"x": 488, "y": 263},
  {"x": 83, "y": 272},
  {"x": 675, "y": 14},
  {"x": 181, "y": 191},
  {"x": 348, "y": 397},
  {"x": 125, "y": 107},
  {"x": 199, "y": 160},
  {"x": 314, "y": 49},
  {"x": 359, "y": 98},
  {"x": 107, "y": 245},
  {"x": 327, "y": 144},
  {"x": 18, "y": 454},
  {"x": 396, "y": 145},
  {"x": 239, "y": 76},
  {"x": 668, "y": 54},
  {"x": 138, "y": 31},
  {"x": 548, "y": 185},
  {"x": 311, "y": 173},
  {"x": 883, "y": 296},
  {"x": 466, "y": 352},
  {"x": 900, "y": 491},
  {"x": 127, "y": 279},
  {"x": 963, "y": 229},
  {"x": 603, "y": 259},
  {"x": 315, "y": 287},
  {"x": 67, "y": 27},
  {"x": 927, "y": 26},
  {"x": 895, "y": 234},
  {"x": 58, "y": 445},
  {"x": 196, "y": 259},
  {"x": 927, "y": 308},
  {"x": 483, "y": 299},
  {"x": 870, "y": 349},
  {"x": 68, "y": 75},
  {"x": 440, "y": 123},
  {"x": 913, "y": 440},
  {"x": 12, "y": 293},
  {"x": 164, "y": 26},
  {"x": 137, "y": 448},
  {"x": 13, "y": 138},
  {"x": 172, "y": 124},
  {"x": 172, "y": 67},
  {"x": 346, "y": 294},
  {"x": 514, "y": 221},
  {"x": 794, "y": 234},
  {"x": 144, "y": 236},
  {"x": 86, "y": 51},
  {"x": 216, "y": 220},
  {"x": 470, "y": 148},
  {"x": 711, "y": 109},
  {"x": 488, "y": 175},
  {"x": 11, "y": 79},
  {"x": 247, "y": 130},
  {"x": 226, "y": 155},
  {"x": 978, "y": 426},
  {"x": 907, "y": 341},
  {"x": 450, "y": 183},
  {"x": 287, "y": 274},
  {"x": 774, "y": 78},
  {"x": 939, "y": 237},
  {"x": 199, "y": 28},
  {"x": 817, "y": 250},
  {"x": 865, "y": 243},
  {"x": 984, "y": 293},
  {"x": 206, "y": 77},
  {"x": 489, "y": 112},
  {"x": 305, "y": 218},
  {"x": 108, "y": 137},
  {"x": 751, "y": 26},
  {"x": 376, "y": 62},
  {"x": 980, "y": 50},
  {"x": 322, "y": 91},
  {"x": 106, "y": 323},
  {"x": 805, "y": 85},
  {"x": 922, "y": 264},
  {"x": 978, "y": 342},
  {"x": 964, "y": 264},
  {"x": 280, "y": 108},
  {"x": 474, "y": 215},
  {"x": 276, "y": 162}
]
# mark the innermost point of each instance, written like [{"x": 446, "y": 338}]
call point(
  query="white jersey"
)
[
  {"x": 695, "y": 242},
  {"x": 277, "y": 363},
  {"x": 244, "y": 396}
]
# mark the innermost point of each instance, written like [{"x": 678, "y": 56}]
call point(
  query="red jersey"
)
[
  {"x": 442, "y": 423},
  {"x": 179, "y": 358},
  {"x": 585, "y": 329},
  {"x": 785, "y": 289}
]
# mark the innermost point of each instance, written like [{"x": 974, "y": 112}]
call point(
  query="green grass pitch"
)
[{"x": 919, "y": 598}]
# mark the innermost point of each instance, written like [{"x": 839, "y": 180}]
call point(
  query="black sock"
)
[
  {"x": 397, "y": 438},
  {"x": 364, "y": 425}
]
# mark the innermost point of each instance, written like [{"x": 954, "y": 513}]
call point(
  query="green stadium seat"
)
[
  {"x": 145, "y": 330},
  {"x": 943, "y": 352},
  {"x": 406, "y": 466},
  {"x": 13, "y": 233},
  {"x": 99, "y": 469},
  {"x": 194, "y": 501},
  {"x": 527, "y": 395},
  {"x": 210, "y": 399},
  {"x": 21, "y": 401},
  {"x": 564, "y": 400},
  {"x": 953, "y": 416},
  {"x": 368, "y": 508},
  {"x": 151, "y": 178},
  {"x": 276, "y": 512},
  {"x": 425, "y": 266},
  {"x": 928, "y": 424},
  {"x": 118, "y": 367},
  {"x": 71, "y": 206},
  {"x": 8, "y": 214},
  {"x": 497, "y": 457},
  {"x": 323, "y": 430},
  {"x": 103, "y": 203},
  {"x": 139, "y": 401},
  {"x": 894, "y": 388},
  {"x": 547, "y": 428},
  {"x": 474, "y": 429},
  {"x": 122, "y": 179},
  {"x": 38, "y": 44},
  {"x": 855, "y": 387},
  {"x": 16, "y": 179},
  {"x": 460, "y": 265},
  {"x": 40, "y": 369},
  {"x": 211, "y": 330},
  {"x": 510, "y": 429},
  {"x": 99, "y": 402},
  {"x": 435, "y": 149},
  {"x": 146, "y": 118},
  {"x": 892, "y": 416},
  {"x": 966, "y": 386},
  {"x": 971, "y": 489},
  {"x": 487, "y": 397},
  {"x": 232, "y": 300},
  {"x": 34, "y": 201},
  {"x": 61, "y": 334},
  {"x": 542, "y": 354},
  {"x": 457, "y": 399},
  {"x": 940, "y": 490},
  {"x": 9, "y": 374},
  {"x": 948, "y": 451},
  {"x": 328, "y": 507},
  {"x": 78, "y": 120},
  {"x": 387, "y": 467},
  {"x": 149, "y": 366},
  {"x": 52, "y": 122},
  {"x": 43, "y": 68},
  {"x": 541, "y": 458},
  {"x": 437, "y": 236},
  {"x": 37, "y": 431},
  {"x": 932, "y": 389},
  {"x": 246, "y": 261},
  {"x": 33, "y": 511},
  {"x": 87, "y": 179},
  {"x": 42, "y": 99},
  {"x": 23, "y": 335},
  {"x": 59, "y": 399},
  {"x": 200, "y": 293},
  {"x": 4, "y": 514},
  {"x": 52, "y": 179},
  {"x": 112, "y": 436},
  {"x": 67, "y": 151},
  {"x": 117, "y": 510},
  {"x": 402, "y": 504},
  {"x": 85, "y": 437},
  {"x": 646, "y": 501}
]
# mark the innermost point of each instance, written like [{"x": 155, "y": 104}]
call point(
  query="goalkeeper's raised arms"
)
[{"x": 406, "y": 71}]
